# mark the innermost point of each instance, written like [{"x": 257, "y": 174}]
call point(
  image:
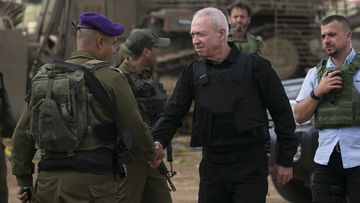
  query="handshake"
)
[{"x": 159, "y": 154}]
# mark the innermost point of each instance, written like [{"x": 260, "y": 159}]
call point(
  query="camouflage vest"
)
[
  {"x": 150, "y": 95},
  {"x": 339, "y": 108},
  {"x": 252, "y": 43},
  {"x": 61, "y": 118}
]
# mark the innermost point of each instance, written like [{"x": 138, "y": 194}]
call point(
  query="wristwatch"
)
[{"x": 312, "y": 95}]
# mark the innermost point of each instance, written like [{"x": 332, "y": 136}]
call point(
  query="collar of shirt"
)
[
  {"x": 349, "y": 58},
  {"x": 82, "y": 54},
  {"x": 231, "y": 58},
  {"x": 127, "y": 67}
]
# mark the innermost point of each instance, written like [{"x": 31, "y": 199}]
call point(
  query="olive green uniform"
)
[
  {"x": 7, "y": 124},
  {"x": 143, "y": 184},
  {"x": 252, "y": 43},
  {"x": 76, "y": 186}
]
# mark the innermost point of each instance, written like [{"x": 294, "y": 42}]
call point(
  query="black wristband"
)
[{"x": 312, "y": 95}]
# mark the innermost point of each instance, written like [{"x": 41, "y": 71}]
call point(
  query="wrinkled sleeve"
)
[
  {"x": 23, "y": 151},
  {"x": 175, "y": 109},
  {"x": 129, "y": 118},
  {"x": 276, "y": 101}
]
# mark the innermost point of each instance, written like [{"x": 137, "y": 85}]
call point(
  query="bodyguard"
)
[
  {"x": 81, "y": 169},
  {"x": 331, "y": 93}
]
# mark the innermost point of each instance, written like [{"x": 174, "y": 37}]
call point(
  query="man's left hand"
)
[{"x": 282, "y": 175}]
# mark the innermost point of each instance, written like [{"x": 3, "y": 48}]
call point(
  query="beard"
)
[{"x": 239, "y": 28}]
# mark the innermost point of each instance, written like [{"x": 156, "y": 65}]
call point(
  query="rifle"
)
[{"x": 164, "y": 171}]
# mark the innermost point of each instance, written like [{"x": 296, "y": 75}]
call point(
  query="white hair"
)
[{"x": 216, "y": 17}]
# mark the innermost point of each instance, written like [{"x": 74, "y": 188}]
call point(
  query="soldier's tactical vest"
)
[
  {"x": 62, "y": 121},
  {"x": 339, "y": 108},
  {"x": 252, "y": 43},
  {"x": 150, "y": 95},
  {"x": 228, "y": 109}
]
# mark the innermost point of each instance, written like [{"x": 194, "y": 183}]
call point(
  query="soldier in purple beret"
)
[
  {"x": 96, "y": 21},
  {"x": 87, "y": 174}
]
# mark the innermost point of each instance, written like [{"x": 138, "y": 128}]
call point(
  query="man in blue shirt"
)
[{"x": 329, "y": 92}]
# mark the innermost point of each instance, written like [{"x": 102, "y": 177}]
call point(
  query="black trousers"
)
[
  {"x": 332, "y": 183},
  {"x": 233, "y": 174}
]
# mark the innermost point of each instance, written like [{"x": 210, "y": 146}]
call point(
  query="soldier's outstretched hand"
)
[
  {"x": 159, "y": 150},
  {"x": 158, "y": 156}
]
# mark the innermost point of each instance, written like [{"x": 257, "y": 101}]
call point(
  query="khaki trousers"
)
[
  {"x": 63, "y": 186},
  {"x": 143, "y": 184}
]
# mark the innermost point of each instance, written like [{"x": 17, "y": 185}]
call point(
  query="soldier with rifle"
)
[{"x": 143, "y": 183}]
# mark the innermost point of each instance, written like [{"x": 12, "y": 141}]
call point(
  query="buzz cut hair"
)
[{"x": 339, "y": 18}]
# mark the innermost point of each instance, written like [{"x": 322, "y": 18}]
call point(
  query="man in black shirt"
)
[{"x": 232, "y": 91}]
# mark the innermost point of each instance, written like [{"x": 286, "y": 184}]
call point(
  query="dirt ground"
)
[{"x": 186, "y": 164}]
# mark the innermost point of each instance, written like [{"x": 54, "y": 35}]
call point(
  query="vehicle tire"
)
[{"x": 294, "y": 191}]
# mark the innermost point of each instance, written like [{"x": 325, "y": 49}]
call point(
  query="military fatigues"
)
[
  {"x": 252, "y": 43},
  {"x": 7, "y": 124},
  {"x": 90, "y": 181},
  {"x": 144, "y": 184}
]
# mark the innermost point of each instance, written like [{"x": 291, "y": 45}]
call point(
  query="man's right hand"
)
[
  {"x": 155, "y": 163},
  {"x": 329, "y": 81},
  {"x": 159, "y": 150},
  {"x": 159, "y": 154}
]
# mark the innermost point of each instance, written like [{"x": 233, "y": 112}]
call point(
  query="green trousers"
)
[
  {"x": 143, "y": 184},
  {"x": 4, "y": 193},
  {"x": 64, "y": 186}
]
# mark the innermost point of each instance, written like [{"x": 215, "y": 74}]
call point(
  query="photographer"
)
[{"x": 330, "y": 92}]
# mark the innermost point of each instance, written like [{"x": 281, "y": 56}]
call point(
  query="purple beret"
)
[{"x": 96, "y": 21}]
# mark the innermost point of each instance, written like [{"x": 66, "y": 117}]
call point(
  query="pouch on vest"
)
[
  {"x": 60, "y": 112},
  {"x": 150, "y": 96}
]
